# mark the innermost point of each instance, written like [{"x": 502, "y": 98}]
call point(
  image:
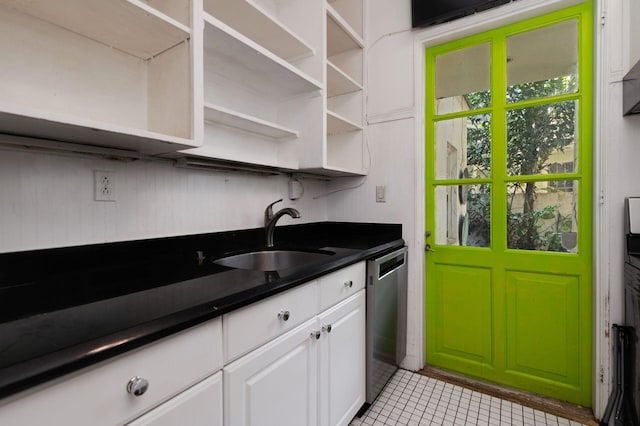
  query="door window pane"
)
[
  {"x": 463, "y": 79},
  {"x": 543, "y": 62},
  {"x": 543, "y": 216},
  {"x": 540, "y": 136},
  {"x": 463, "y": 215},
  {"x": 463, "y": 147}
]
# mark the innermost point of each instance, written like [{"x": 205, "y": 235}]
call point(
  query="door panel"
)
[
  {"x": 508, "y": 195},
  {"x": 542, "y": 326},
  {"x": 462, "y": 320}
]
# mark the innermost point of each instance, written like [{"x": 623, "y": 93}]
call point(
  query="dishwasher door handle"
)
[{"x": 390, "y": 263}]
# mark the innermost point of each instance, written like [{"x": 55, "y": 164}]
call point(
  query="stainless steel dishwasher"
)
[{"x": 386, "y": 319}]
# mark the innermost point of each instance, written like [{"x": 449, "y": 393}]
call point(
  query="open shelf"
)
[
  {"x": 341, "y": 37},
  {"x": 338, "y": 124},
  {"x": 258, "y": 108},
  {"x": 132, "y": 26},
  {"x": 256, "y": 23},
  {"x": 221, "y": 115},
  {"x": 240, "y": 57},
  {"x": 45, "y": 125},
  {"x": 60, "y": 84},
  {"x": 338, "y": 82}
]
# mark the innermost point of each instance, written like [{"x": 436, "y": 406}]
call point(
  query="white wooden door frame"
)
[{"x": 508, "y": 14}]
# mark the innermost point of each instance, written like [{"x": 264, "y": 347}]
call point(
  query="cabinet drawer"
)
[
  {"x": 251, "y": 326},
  {"x": 98, "y": 395},
  {"x": 200, "y": 405},
  {"x": 341, "y": 284}
]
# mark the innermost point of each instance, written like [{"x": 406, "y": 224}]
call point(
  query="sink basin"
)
[{"x": 273, "y": 260}]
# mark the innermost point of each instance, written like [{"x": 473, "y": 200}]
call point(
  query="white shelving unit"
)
[
  {"x": 108, "y": 73},
  {"x": 257, "y": 106},
  {"x": 343, "y": 149},
  {"x": 275, "y": 83}
]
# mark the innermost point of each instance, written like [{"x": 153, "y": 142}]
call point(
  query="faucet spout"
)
[{"x": 270, "y": 219}]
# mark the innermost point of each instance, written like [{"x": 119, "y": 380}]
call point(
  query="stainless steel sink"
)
[{"x": 273, "y": 260}]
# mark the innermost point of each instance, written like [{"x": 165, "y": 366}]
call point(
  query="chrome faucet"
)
[{"x": 270, "y": 219}]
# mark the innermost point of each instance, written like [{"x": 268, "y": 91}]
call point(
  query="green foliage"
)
[{"x": 533, "y": 134}]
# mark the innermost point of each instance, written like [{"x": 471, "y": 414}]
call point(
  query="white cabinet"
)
[
  {"x": 342, "y": 151},
  {"x": 342, "y": 361},
  {"x": 277, "y": 384},
  {"x": 249, "y": 327},
  {"x": 275, "y": 83},
  {"x": 341, "y": 284},
  {"x": 106, "y": 73},
  {"x": 200, "y": 405},
  {"x": 307, "y": 369},
  {"x": 98, "y": 395},
  {"x": 262, "y": 81},
  {"x": 283, "y": 85},
  {"x": 312, "y": 375}
]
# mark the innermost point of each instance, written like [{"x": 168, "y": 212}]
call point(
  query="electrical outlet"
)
[
  {"x": 104, "y": 185},
  {"x": 381, "y": 196}
]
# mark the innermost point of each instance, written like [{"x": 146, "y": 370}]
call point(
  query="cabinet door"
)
[
  {"x": 200, "y": 405},
  {"x": 342, "y": 361},
  {"x": 277, "y": 383}
]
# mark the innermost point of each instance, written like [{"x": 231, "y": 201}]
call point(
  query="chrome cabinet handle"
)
[
  {"x": 284, "y": 315},
  {"x": 326, "y": 327},
  {"x": 137, "y": 386},
  {"x": 315, "y": 334},
  {"x": 348, "y": 284}
]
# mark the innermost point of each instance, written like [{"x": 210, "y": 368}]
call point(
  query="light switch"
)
[{"x": 381, "y": 196}]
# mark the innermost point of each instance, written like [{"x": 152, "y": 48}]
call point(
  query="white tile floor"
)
[{"x": 412, "y": 399}]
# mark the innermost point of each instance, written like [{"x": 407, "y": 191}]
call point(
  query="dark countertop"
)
[{"x": 64, "y": 309}]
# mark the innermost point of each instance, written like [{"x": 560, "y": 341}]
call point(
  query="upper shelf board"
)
[
  {"x": 128, "y": 25},
  {"x": 236, "y": 50},
  {"x": 341, "y": 37},
  {"x": 338, "y": 82},
  {"x": 38, "y": 124},
  {"x": 219, "y": 114},
  {"x": 338, "y": 124},
  {"x": 257, "y": 24}
]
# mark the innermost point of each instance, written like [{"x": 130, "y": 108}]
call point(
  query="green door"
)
[{"x": 508, "y": 205}]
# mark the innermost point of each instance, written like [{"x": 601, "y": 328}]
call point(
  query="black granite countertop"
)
[{"x": 67, "y": 308}]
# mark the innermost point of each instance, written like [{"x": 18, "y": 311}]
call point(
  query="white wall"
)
[
  {"x": 620, "y": 150},
  {"x": 46, "y": 200}
]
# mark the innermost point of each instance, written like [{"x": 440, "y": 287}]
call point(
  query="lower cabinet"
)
[
  {"x": 312, "y": 375},
  {"x": 276, "y": 384},
  {"x": 342, "y": 361},
  {"x": 303, "y": 363},
  {"x": 201, "y": 405},
  {"x": 124, "y": 388}
]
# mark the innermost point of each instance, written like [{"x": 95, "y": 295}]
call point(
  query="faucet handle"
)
[{"x": 268, "y": 212}]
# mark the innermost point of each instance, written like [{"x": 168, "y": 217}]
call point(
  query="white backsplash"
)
[{"x": 47, "y": 200}]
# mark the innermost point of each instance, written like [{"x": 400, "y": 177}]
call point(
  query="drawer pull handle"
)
[
  {"x": 315, "y": 334},
  {"x": 326, "y": 327},
  {"x": 348, "y": 284},
  {"x": 284, "y": 315},
  {"x": 137, "y": 386}
]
